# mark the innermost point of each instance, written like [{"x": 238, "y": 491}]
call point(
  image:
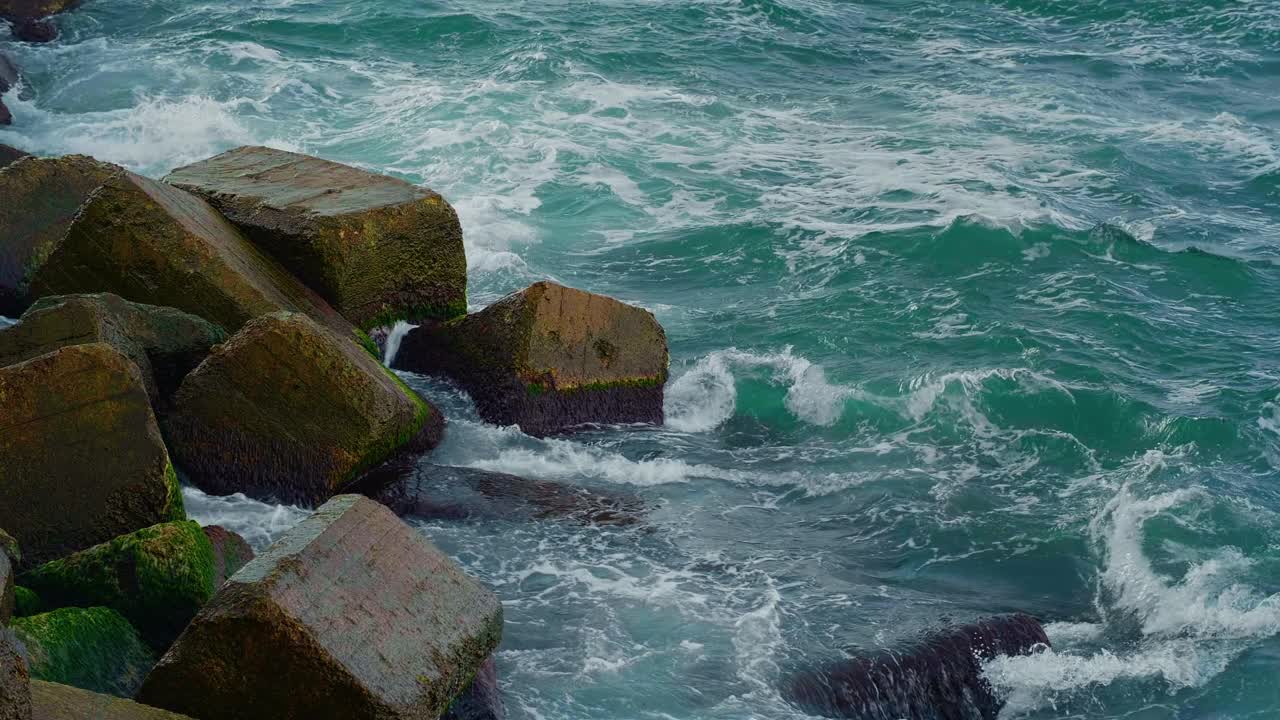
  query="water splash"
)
[{"x": 394, "y": 336}]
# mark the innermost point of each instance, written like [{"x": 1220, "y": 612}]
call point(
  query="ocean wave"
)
[{"x": 257, "y": 522}]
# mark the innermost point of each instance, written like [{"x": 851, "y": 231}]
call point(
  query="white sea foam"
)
[
  {"x": 259, "y": 523},
  {"x": 396, "y": 334}
]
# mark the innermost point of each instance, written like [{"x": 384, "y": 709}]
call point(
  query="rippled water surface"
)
[{"x": 973, "y": 307}]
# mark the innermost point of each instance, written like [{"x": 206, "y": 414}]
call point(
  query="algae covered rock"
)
[
  {"x": 378, "y": 248},
  {"x": 15, "y": 681},
  {"x": 91, "y": 648},
  {"x": 158, "y": 578},
  {"x": 42, "y": 197},
  {"x": 164, "y": 343},
  {"x": 153, "y": 243},
  {"x": 230, "y": 553},
  {"x": 413, "y": 628},
  {"x": 286, "y": 411},
  {"x": 26, "y": 602},
  {"x": 550, "y": 358},
  {"x": 51, "y": 701},
  {"x": 81, "y": 457}
]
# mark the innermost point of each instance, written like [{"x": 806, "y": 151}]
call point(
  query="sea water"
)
[{"x": 973, "y": 307}]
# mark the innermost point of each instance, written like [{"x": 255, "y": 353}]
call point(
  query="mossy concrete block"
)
[
  {"x": 91, "y": 648},
  {"x": 378, "y": 248},
  {"x": 15, "y": 680},
  {"x": 152, "y": 243},
  {"x": 41, "y": 199},
  {"x": 230, "y": 553},
  {"x": 158, "y": 578},
  {"x": 26, "y": 602},
  {"x": 51, "y": 701},
  {"x": 81, "y": 457},
  {"x": 9, "y": 154},
  {"x": 286, "y": 411},
  {"x": 550, "y": 358},
  {"x": 164, "y": 343},
  {"x": 352, "y": 614},
  {"x": 482, "y": 700}
]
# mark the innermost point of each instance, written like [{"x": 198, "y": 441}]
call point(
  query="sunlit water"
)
[{"x": 973, "y": 307}]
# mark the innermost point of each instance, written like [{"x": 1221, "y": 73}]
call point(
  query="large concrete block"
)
[
  {"x": 51, "y": 701},
  {"x": 351, "y": 615}
]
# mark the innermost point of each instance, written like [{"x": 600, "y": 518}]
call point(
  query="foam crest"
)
[
  {"x": 397, "y": 333},
  {"x": 565, "y": 459},
  {"x": 259, "y": 523},
  {"x": 705, "y": 396}
]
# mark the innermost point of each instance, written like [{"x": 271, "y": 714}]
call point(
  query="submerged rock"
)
[
  {"x": 81, "y": 457},
  {"x": 482, "y": 700},
  {"x": 152, "y": 243},
  {"x": 230, "y": 553},
  {"x": 34, "y": 31},
  {"x": 158, "y": 578},
  {"x": 413, "y": 628},
  {"x": 164, "y": 343},
  {"x": 9, "y": 154},
  {"x": 939, "y": 678},
  {"x": 91, "y": 648},
  {"x": 285, "y": 411},
  {"x": 15, "y": 680},
  {"x": 51, "y": 701},
  {"x": 458, "y": 493},
  {"x": 42, "y": 197},
  {"x": 549, "y": 358},
  {"x": 378, "y": 248}
]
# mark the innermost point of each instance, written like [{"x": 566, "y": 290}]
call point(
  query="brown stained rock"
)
[
  {"x": 378, "y": 248},
  {"x": 549, "y": 358},
  {"x": 15, "y": 680},
  {"x": 51, "y": 701},
  {"x": 164, "y": 343},
  {"x": 153, "y": 243},
  {"x": 440, "y": 492},
  {"x": 351, "y": 615},
  {"x": 230, "y": 553},
  {"x": 81, "y": 458},
  {"x": 286, "y": 411},
  {"x": 42, "y": 197},
  {"x": 9, "y": 155},
  {"x": 21, "y": 9}
]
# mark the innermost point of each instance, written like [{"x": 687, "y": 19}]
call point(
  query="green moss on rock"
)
[
  {"x": 27, "y": 602},
  {"x": 91, "y": 648},
  {"x": 158, "y": 578}
]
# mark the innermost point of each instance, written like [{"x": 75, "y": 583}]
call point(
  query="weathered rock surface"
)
[
  {"x": 164, "y": 343},
  {"x": 15, "y": 681},
  {"x": 81, "y": 457},
  {"x": 152, "y": 243},
  {"x": 91, "y": 648},
  {"x": 285, "y": 411},
  {"x": 18, "y": 9},
  {"x": 549, "y": 358},
  {"x": 42, "y": 197},
  {"x": 230, "y": 553},
  {"x": 158, "y": 578},
  {"x": 436, "y": 492},
  {"x": 378, "y": 248},
  {"x": 482, "y": 700},
  {"x": 9, "y": 154},
  {"x": 7, "y": 598},
  {"x": 51, "y": 701},
  {"x": 941, "y": 677},
  {"x": 352, "y": 614}
]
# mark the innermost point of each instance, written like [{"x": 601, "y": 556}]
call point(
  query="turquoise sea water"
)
[{"x": 973, "y": 307}]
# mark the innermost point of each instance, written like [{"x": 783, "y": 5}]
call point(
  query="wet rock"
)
[
  {"x": 15, "y": 681},
  {"x": 413, "y": 631},
  {"x": 377, "y": 248},
  {"x": 164, "y": 343},
  {"x": 437, "y": 492},
  {"x": 549, "y": 358},
  {"x": 9, "y": 75},
  {"x": 285, "y": 411},
  {"x": 51, "y": 701},
  {"x": 9, "y": 155},
  {"x": 6, "y": 116},
  {"x": 81, "y": 457},
  {"x": 230, "y": 553},
  {"x": 91, "y": 648},
  {"x": 20, "y": 9},
  {"x": 158, "y": 578},
  {"x": 941, "y": 677},
  {"x": 34, "y": 31},
  {"x": 153, "y": 243},
  {"x": 482, "y": 700},
  {"x": 42, "y": 197}
]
